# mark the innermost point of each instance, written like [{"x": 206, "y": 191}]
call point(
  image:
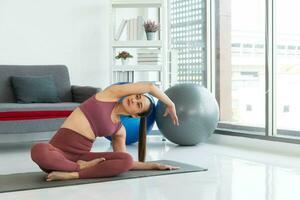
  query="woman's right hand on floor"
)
[{"x": 159, "y": 166}]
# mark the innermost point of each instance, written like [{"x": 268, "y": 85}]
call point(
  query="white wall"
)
[{"x": 70, "y": 32}]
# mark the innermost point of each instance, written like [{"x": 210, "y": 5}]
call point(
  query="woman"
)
[{"x": 68, "y": 156}]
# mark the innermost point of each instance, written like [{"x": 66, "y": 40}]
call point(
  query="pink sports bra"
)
[{"x": 98, "y": 113}]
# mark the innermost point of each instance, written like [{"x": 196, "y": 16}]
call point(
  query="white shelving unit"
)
[{"x": 130, "y": 71}]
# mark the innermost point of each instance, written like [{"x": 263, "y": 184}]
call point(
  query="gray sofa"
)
[{"x": 23, "y": 128}]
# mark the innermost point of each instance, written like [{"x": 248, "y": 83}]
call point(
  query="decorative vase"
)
[
  {"x": 124, "y": 61},
  {"x": 150, "y": 35}
]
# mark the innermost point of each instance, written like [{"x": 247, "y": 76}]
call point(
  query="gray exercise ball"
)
[{"x": 197, "y": 111}]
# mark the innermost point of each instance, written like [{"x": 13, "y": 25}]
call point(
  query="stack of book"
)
[
  {"x": 135, "y": 29},
  {"x": 148, "y": 56}
]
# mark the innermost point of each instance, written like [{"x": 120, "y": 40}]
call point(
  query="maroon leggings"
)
[{"x": 67, "y": 147}]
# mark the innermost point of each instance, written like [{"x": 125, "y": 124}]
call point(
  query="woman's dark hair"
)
[
  {"x": 149, "y": 110},
  {"x": 143, "y": 131}
]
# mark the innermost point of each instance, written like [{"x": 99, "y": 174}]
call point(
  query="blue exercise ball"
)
[
  {"x": 132, "y": 125},
  {"x": 197, "y": 111}
]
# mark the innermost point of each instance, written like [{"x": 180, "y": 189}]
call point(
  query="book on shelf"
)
[
  {"x": 148, "y": 55},
  {"x": 141, "y": 34},
  {"x": 129, "y": 30},
  {"x": 148, "y": 62},
  {"x": 120, "y": 29},
  {"x": 148, "y": 51},
  {"x": 132, "y": 29},
  {"x": 134, "y": 34},
  {"x": 148, "y": 59},
  {"x": 135, "y": 29}
]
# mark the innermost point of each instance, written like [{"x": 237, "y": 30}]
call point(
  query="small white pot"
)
[
  {"x": 150, "y": 35},
  {"x": 125, "y": 61}
]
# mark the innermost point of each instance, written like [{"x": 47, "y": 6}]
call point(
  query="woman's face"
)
[{"x": 135, "y": 104}]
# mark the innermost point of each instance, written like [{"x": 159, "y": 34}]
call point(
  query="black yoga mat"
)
[{"x": 36, "y": 180}]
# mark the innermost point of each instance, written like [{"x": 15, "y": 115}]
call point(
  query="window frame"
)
[{"x": 271, "y": 132}]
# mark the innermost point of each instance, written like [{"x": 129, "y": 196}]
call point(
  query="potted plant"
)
[
  {"x": 124, "y": 56},
  {"x": 150, "y": 28}
]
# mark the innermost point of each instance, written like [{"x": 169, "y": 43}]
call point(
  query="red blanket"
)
[{"x": 29, "y": 115}]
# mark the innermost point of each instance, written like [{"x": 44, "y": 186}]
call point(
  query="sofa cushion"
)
[
  {"x": 59, "y": 72},
  {"x": 82, "y": 93},
  {"x": 34, "y": 89}
]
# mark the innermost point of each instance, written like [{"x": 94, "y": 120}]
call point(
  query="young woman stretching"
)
[{"x": 68, "y": 156}]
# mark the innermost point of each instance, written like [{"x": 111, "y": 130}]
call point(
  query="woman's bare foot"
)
[
  {"x": 55, "y": 176},
  {"x": 85, "y": 164}
]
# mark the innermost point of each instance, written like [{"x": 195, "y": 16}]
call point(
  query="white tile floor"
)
[{"x": 233, "y": 174}]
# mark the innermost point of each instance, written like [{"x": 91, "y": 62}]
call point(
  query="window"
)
[
  {"x": 240, "y": 64},
  {"x": 241, "y": 84},
  {"x": 287, "y": 66},
  {"x": 244, "y": 51}
]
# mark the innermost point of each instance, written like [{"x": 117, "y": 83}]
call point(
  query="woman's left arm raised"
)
[{"x": 118, "y": 91}]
